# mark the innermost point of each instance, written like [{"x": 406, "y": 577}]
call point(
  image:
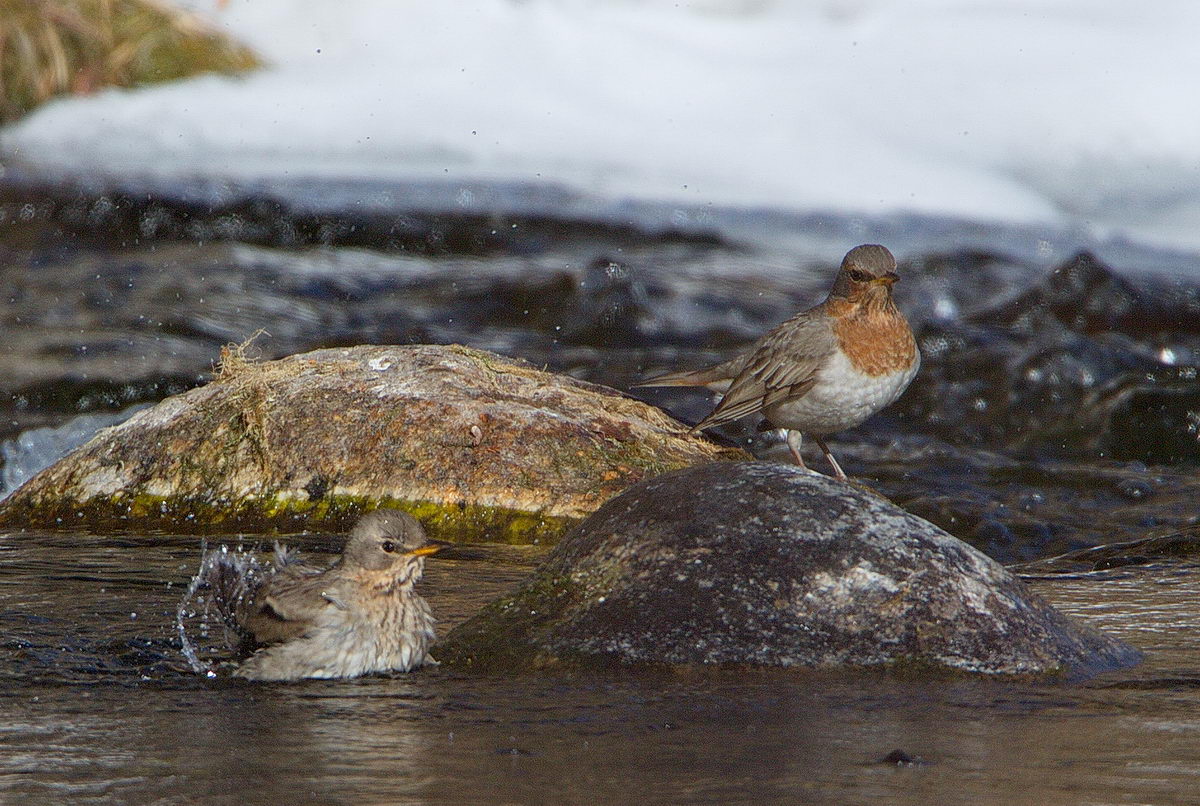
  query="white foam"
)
[{"x": 37, "y": 448}]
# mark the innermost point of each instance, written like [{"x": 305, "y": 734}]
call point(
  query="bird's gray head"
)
[
  {"x": 386, "y": 538},
  {"x": 867, "y": 274}
]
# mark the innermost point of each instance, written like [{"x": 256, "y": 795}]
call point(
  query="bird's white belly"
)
[{"x": 841, "y": 398}]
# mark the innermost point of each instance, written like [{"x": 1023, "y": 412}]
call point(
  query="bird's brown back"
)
[{"x": 286, "y": 604}]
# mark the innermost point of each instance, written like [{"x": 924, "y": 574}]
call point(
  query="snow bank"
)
[{"x": 1072, "y": 113}]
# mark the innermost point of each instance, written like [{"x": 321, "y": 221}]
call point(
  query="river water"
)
[
  {"x": 1056, "y": 410},
  {"x": 99, "y": 706}
]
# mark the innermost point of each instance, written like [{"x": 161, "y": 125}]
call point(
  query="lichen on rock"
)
[
  {"x": 767, "y": 564},
  {"x": 480, "y": 447}
]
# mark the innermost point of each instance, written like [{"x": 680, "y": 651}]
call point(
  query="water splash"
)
[
  {"x": 224, "y": 580},
  {"x": 24, "y": 455}
]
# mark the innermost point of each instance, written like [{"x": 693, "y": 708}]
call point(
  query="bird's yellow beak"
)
[
  {"x": 432, "y": 547},
  {"x": 888, "y": 279}
]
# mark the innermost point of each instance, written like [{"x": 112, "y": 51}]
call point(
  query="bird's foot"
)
[
  {"x": 794, "y": 439},
  {"x": 838, "y": 473}
]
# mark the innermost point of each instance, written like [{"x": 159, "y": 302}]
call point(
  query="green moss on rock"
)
[
  {"x": 503, "y": 637},
  {"x": 477, "y": 446}
]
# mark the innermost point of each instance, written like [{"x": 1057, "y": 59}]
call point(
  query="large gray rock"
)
[
  {"x": 476, "y": 445},
  {"x": 768, "y": 564}
]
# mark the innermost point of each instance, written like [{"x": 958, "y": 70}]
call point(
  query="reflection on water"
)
[
  {"x": 100, "y": 706},
  {"x": 1156, "y": 603}
]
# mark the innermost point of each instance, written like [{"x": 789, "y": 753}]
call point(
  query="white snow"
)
[{"x": 1074, "y": 113}]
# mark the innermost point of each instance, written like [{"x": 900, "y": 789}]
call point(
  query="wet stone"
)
[
  {"x": 767, "y": 564},
  {"x": 477, "y": 446},
  {"x": 1085, "y": 295},
  {"x": 1177, "y": 547}
]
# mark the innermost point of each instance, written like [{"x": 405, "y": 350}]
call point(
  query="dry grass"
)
[
  {"x": 250, "y": 383},
  {"x": 236, "y": 358},
  {"x": 58, "y": 47}
]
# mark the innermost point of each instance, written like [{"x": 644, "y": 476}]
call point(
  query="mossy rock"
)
[{"x": 478, "y": 446}]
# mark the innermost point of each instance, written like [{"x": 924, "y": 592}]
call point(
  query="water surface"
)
[
  {"x": 1054, "y": 411},
  {"x": 100, "y": 706}
]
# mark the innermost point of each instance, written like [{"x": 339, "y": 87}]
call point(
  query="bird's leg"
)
[
  {"x": 837, "y": 469},
  {"x": 794, "y": 438}
]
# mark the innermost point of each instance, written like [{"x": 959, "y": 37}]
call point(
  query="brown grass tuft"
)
[
  {"x": 236, "y": 358},
  {"x": 250, "y": 393},
  {"x": 59, "y": 47}
]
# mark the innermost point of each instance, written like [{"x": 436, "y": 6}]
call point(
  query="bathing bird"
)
[{"x": 357, "y": 616}]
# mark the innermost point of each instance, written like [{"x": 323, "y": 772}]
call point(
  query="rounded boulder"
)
[
  {"x": 767, "y": 564},
  {"x": 477, "y": 446}
]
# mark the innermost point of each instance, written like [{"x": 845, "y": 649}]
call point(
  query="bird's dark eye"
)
[
  {"x": 857, "y": 275},
  {"x": 389, "y": 546}
]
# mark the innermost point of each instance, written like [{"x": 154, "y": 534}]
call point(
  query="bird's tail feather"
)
[{"x": 716, "y": 377}]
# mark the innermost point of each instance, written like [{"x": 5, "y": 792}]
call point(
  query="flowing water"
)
[
  {"x": 1056, "y": 410},
  {"x": 100, "y": 706}
]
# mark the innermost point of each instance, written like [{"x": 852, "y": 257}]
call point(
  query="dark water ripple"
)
[{"x": 99, "y": 707}]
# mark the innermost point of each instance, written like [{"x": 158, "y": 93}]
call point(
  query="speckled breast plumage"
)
[{"x": 390, "y": 633}]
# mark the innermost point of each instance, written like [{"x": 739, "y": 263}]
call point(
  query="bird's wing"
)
[
  {"x": 234, "y": 578},
  {"x": 288, "y": 604},
  {"x": 782, "y": 367}
]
